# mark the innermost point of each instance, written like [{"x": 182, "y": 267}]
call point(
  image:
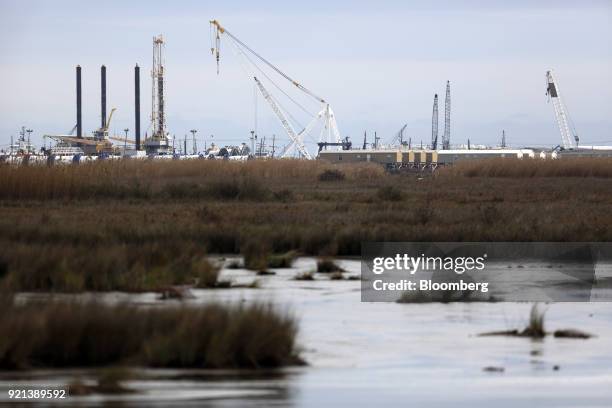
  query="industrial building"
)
[{"x": 422, "y": 159}]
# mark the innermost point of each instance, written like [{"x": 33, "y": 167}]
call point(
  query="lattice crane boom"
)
[
  {"x": 295, "y": 139},
  {"x": 569, "y": 136},
  {"x": 329, "y": 131}
]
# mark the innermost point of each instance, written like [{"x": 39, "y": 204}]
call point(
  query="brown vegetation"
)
[
  {"x": 99, "y": 226},
  {"x": 529, "y": 168},
  {"x": 327, "y": 265},
  {"x": 70, "y": 334}
]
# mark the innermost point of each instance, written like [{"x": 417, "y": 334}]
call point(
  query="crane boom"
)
[
  {"x": 108, "y": 121},
  {"x": 221, "y": 30},
  {"x": 569, "y": 136},
  {"x": 325, "y": 116},
  {"x": 281, "y": 116}
]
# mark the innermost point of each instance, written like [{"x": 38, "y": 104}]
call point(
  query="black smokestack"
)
[
  {"x": 103, "y": 95},
  {"x": 137, "y": 105},
  {"x": 78, "y": 101}
]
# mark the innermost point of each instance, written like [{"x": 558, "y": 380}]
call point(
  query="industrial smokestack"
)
[
  {"x": 78, "y": 102},
  {"x": 137, "y": 105},
  {"x": 103, "y": 96}
]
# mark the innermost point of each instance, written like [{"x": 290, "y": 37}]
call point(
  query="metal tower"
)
[
  {"x": 503, "y": 142},
  {"x": 158, "y": 143},
  {"x": 158, "y": 116},
  {"x": 434, "y": 124},
  {"x": 447, "y": 109}
]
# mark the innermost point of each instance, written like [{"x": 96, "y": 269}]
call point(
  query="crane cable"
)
[
  {"x": 237, "y": 50},
  {"x": 280, "y": 89},
  {"x": 222, "y": 30}
]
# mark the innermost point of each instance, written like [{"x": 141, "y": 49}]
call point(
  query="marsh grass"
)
[
  {"x": 304, "y": 276},
  {"x": 525, "y": 168},
  {"x": 327, "y": 265},
  {"x": 139, "y": 225},
  {"x": 130, "y": 268},
  {"x": 282, "y": 260},
  {"x": 34, "y": 335},
  {"x": 389, "y": 193},
  {"x": 534, "y": 328},
  {"x": 331, "y": 175}
]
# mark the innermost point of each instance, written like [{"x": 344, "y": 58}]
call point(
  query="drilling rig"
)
[{"x": 158, "y": 143}]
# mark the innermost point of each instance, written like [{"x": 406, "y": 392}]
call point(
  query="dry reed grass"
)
[
  {"x": 93, "y": 225},
  {"x": 517, "y": 168},
  {"x": 71, "y": 334}
]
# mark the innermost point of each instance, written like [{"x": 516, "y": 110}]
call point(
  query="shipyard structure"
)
[{"x": 272, "y": 84}]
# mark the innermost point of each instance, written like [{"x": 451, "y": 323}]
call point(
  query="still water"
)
[{"x": 368, "y": 354}]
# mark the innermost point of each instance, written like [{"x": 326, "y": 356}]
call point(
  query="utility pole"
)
[
  {"x": 261, "y": 145},
  {"x": 29, "y": 144},
  {"x": 273, "y": 146},
  {"x": 365, "y": 139},
  {"x": 503, "y": 143},
  {"x": 195, "y": 146},
  {"x": 185, "y": 146},
  {"x": 126, "y": 130}
]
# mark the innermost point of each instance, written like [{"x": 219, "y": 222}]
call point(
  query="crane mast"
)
[{"x": 569, "y": 136}]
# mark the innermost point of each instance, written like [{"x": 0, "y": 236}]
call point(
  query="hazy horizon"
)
[{"x": 378, "y": 65}]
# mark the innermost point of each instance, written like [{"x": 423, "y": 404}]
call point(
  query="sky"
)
[{"x": 378, "y": 64}]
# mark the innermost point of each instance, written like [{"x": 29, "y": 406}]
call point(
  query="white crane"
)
[
  {"x": 295, "y": 138},
  {"x": 569, "y": 136},
  {"x": 325, "y": 114}
]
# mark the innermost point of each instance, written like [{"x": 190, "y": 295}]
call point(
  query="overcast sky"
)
[{"x": 378, "y": 63}]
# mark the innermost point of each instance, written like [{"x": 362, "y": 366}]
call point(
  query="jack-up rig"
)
[{"x": 329, "y": 135}]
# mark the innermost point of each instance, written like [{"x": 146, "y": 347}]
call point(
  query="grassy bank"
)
[
  {"x": 125, "y": 225},
  {"x": 61, "y": 334}
]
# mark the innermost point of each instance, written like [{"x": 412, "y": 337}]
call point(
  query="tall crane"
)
[
  {"x": 434, "y": 124},
  {"x": 569, "y": 137},
  {"x": 398, "y": 139},
  {"x": 325, "y": 115},
  {"x": 295, "y": 138}
]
